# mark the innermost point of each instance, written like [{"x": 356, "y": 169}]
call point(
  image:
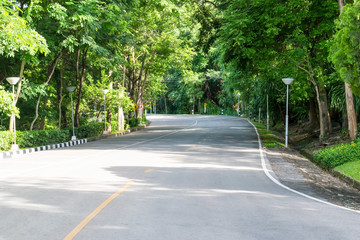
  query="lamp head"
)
[
  {"x": 105, "y": 91},
  {"x": 287, "y": 81},
  {"x": 71, "y": 89},
  {"x": 13, "y": 80}
]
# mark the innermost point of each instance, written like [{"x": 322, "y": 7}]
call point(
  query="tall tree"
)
[
  {"x": 17, "y": 38},
  {"x": 339, "y": 41}
]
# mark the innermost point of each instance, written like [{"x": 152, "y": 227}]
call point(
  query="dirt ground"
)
[{"x": 297, "y": 172}]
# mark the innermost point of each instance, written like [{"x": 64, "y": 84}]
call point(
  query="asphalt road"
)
[{"x": 184, "y": 177}]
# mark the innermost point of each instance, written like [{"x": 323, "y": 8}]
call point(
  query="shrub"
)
[
  {"x": 6, "y": 139},
  {"x": 114, "y": 126},
  {"x": 90, "y": 130},
  {"x": 134, "y": 122},
  {"x": 37, "y": 138},
  {"x": 337, "y": 155}
]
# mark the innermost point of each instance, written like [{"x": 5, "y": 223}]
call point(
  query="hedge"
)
[
  {"x": 36, "y": 138},
  {"x": 334, "y": 156}
]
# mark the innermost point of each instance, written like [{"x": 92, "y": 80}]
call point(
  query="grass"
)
[
  {"x": 351, "y": 169},
  {"x": 270, "y": 139}
]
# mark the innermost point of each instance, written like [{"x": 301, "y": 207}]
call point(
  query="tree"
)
[
  {"x": 17, "y": 38},
  {"x": 345, "y": 56},
  {"x": 268, "y": 38}
]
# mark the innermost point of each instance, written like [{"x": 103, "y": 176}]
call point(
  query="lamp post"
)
[
  {"x": 71, "y": 89},
  {"x": 13, "y": 81},
  {"x": 287, "y": 81},
  {"x": 105, "y": 92}
]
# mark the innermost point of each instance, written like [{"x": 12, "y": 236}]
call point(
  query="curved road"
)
[{"x": 184, "y": 177}]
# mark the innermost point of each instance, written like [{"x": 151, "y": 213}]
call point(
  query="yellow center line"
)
[
  {"x": 149, "y": 170},
  {"x": 84, "y": 222}
]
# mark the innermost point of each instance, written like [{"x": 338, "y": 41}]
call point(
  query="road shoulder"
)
[{"x": 297, "y": 172}]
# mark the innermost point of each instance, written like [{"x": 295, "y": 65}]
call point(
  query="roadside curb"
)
[
  {"x": 350, "y": 181},
  {"x": 12, "y": 154},
  {"x": 92, "y": 139}
]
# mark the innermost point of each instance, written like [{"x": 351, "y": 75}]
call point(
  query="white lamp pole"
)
[
  {"x": 13, "y": 81},
  {"x": 105, "y": 92},
  {"x": 71, "y": 89},
  {"x": 287, "y": 81}
]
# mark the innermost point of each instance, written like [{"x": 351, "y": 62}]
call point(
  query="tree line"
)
[
  {"x": 124, "y": 46},
  {"x": 245, "y": 47},
  {"x": 185, "y": 55}
]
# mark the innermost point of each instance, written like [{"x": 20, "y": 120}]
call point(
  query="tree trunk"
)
[
  {"x": 108, "y": 119},
  {"x": 60, "y": 96},
  {"x": 313, "y": 117},
  {"x": 350, "y": 108},
  {"x": 51, "y": 70},
  {"x": 341, "y": 4},
  {"x": 351, "y": 113},
  {"x": 325, "y": 121},
  {"x": 36, "y": 113},
  {"x": 79, "y": 92},
  {"x": 199, "y": 106},
  {"x": 120, "y": 118},
  {"x": 63, "y": 114}
]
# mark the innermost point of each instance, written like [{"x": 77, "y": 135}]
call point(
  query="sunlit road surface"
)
[{"x": 184, "y": 177}]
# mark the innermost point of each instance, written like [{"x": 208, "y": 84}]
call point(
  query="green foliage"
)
[
  {"x": 6, "y": 138},
  {"x": 6, "y": 103},
  {"x": 351, "y": 169},
  {"x": 15, "y": 34},
  {"x": 334, "y": 156},
  {"x": 135, "y": 122},
  {"x": 345, "y": 51},
  {"x": 36, "y": 138},
  {"x": 270, "y": 139},
  {"x": 90, "y": 130}
]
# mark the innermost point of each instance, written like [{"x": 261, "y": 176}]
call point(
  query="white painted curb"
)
[
  {"x": 11, "y": 154},
  {"x": 267, "y": 173}
]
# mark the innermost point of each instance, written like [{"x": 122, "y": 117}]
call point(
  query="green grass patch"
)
[
  {"x": 351, "y": 169},
  {"x": 337, "y": 155},
  {"x": 270, "y": 139}
]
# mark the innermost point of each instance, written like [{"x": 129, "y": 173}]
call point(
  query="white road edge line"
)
[{"x": 267, "y": 173}]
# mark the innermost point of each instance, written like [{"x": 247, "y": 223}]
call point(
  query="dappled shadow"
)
[{"x": 201, "y": 179}]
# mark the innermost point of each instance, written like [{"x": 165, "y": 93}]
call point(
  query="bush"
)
[
  {"x": 6, "y": 139},
  {"x": 134, "y": 122},
  {"x": 90, "y": 130},
  {"x": 36, "y": 138},
  {"x": 27, "y": 139},
  {"x": 337, "y": 155}
]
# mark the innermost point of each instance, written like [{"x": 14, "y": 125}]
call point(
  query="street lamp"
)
[
  {"x": 13, "y": 81},
  {"x": 71, "y": 89},
  {"x": 105, "y": 92},
  {"x": 287, "y": 81}
]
